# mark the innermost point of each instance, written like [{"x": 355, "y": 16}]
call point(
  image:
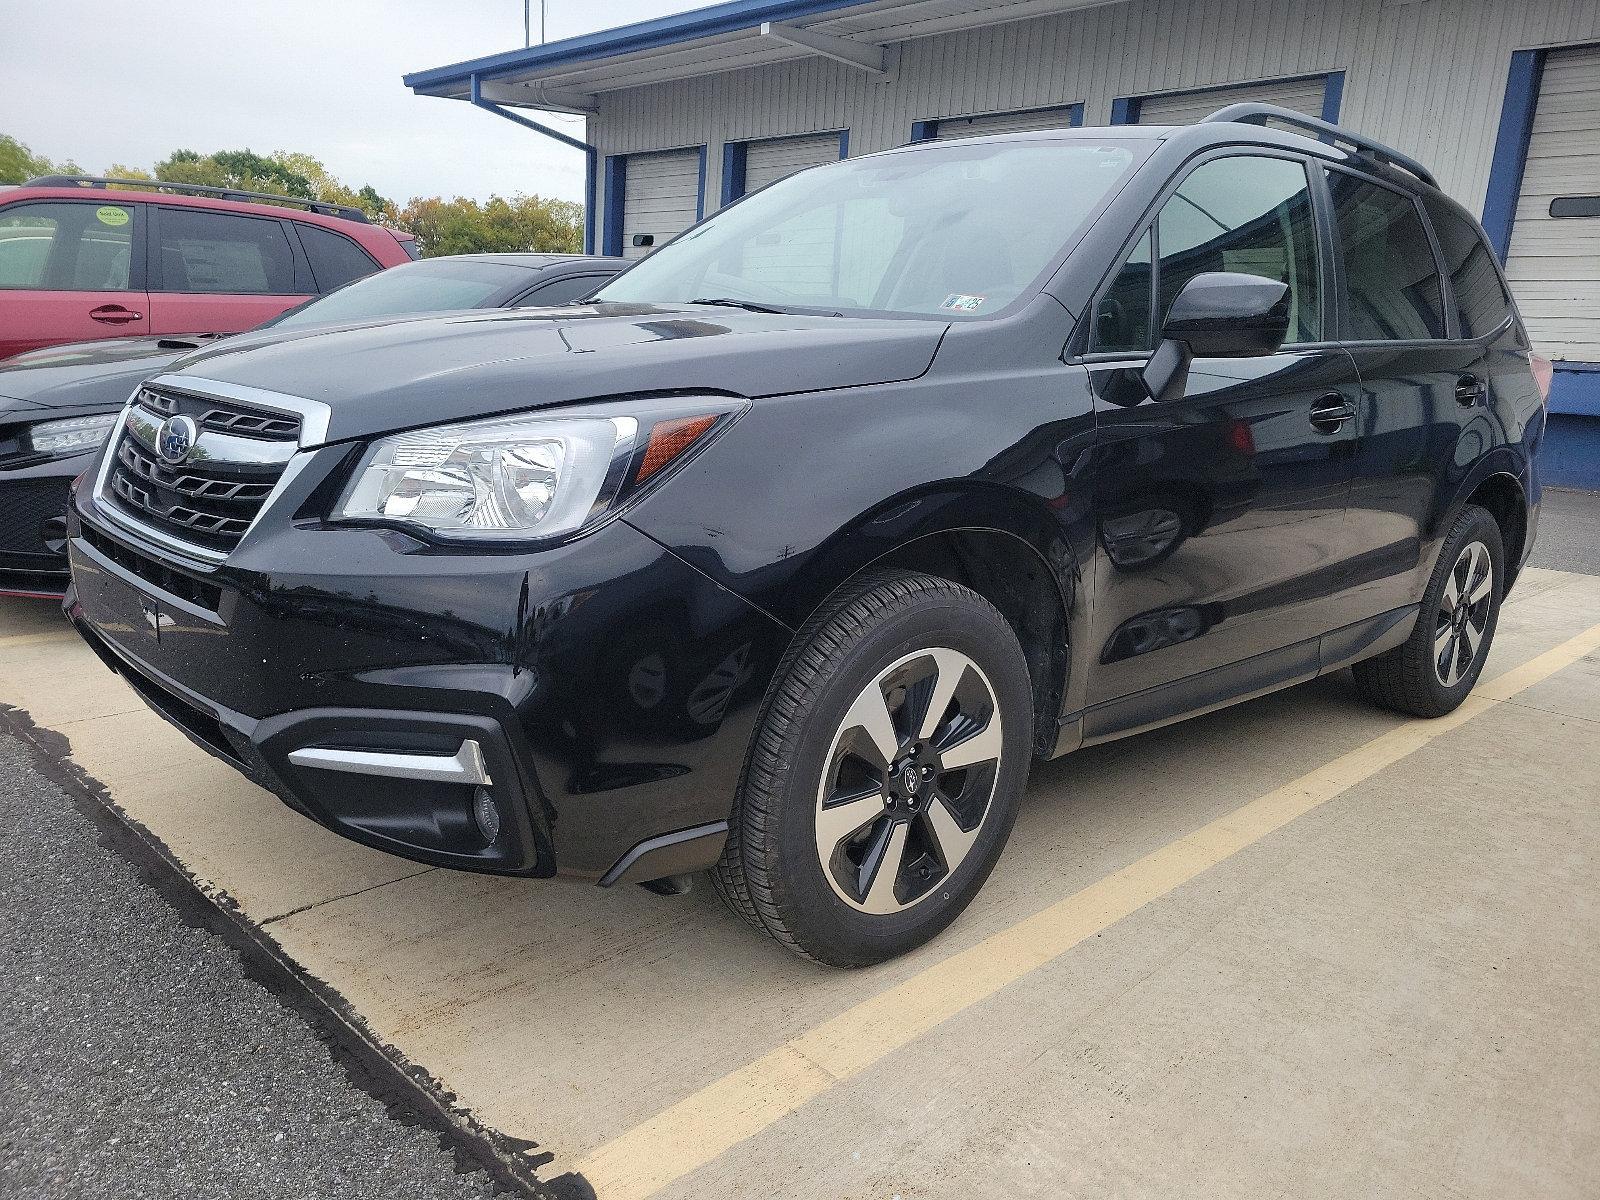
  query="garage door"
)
[
  {"x": 769, "y": 161},
  {"x": 1554, "y": 261},
  {"x": 661, "y": 198},
  {"x": 1185, "y": 108},
  {"x": 985, "y": 124}
]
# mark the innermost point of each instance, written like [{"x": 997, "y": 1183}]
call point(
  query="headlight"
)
[
  {"x": 534, "y": 476},
  {"x": 72, "y": 435}
]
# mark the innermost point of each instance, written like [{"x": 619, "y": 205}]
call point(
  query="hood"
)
[
  {"x": 271, "y": 335},
  {"x": 400, "y": 375},
  {"x": 83, "y": 374}
]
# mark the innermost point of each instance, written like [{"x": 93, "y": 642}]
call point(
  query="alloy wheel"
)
[
  {"x": 908, "y": 781},
  {"x": 1463, "y": 614}
]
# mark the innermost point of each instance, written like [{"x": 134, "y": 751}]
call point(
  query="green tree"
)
[
  {"x": 463, "y": 226},
  {"x": 18, "y": 163}
]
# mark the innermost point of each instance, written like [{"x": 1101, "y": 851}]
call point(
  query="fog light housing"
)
[{"x": 487, "y": 814}]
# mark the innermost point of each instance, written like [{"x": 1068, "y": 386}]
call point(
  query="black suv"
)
[{"x": 786, "y": 555}]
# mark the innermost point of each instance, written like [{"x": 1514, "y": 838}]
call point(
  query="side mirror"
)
[{"x": 1218, "y": 314}]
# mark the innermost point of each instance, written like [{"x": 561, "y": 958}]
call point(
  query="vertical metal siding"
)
[{"x": 1428, "y": 77}]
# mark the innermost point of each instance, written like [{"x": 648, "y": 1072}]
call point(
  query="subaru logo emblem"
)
[
  {"x": 176, "y": 439},
  {"x": 910, "y": 779}
]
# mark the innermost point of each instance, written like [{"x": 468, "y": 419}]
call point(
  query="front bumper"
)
[{"x": 609, "y": 688}]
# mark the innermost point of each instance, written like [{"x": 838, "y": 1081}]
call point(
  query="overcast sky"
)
[{"x": 128, "y": 82}]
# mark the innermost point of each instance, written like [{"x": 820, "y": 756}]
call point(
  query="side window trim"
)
[
  {"x": 305, "y": 278},
  {"x": 1150, "y": 218},
  {"x": 1446, "y": 297}
]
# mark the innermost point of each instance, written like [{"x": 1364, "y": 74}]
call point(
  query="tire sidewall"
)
[{"x": 824, "y": 924}]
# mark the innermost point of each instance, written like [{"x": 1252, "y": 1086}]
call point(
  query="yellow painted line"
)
[
  {"x": 700, "y": 1127},
  {"x": 29, "y": 639}
]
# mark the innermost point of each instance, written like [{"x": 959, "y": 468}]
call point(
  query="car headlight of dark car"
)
[
  {"x": 529, "y": 476},
  {"x": 69, "y": 435}
]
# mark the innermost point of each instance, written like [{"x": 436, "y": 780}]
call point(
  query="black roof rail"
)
[
  {"x": 324, "y": 207},
  {"x": 1259, "y": 114}
]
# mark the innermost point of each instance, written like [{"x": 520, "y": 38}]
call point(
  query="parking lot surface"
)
[{"x": 1295, "y": 946}]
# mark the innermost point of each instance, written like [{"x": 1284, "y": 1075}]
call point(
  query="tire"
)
[
  {"x": 1432, "y": 671},
  {"x": 848, "y": 721}
]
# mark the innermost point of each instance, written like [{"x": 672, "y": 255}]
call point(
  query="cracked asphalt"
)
[{"x": 138, "y": 1058}]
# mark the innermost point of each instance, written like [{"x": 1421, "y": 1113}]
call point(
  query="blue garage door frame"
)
[
  {"x": 1125, "y": 109},
  {"x": 734, "y": 155},
  {"x": 928, "y": 130},
  {"x": 1571, "y": 453},
  {"x": 616, "y": 190}
]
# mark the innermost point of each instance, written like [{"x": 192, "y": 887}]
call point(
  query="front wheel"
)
[
  {"x": 1432, "y": 672},
  {"x": 886, "y": 773}
]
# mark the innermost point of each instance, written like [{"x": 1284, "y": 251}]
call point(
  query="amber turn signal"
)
[{"x": 669, "y": 439}]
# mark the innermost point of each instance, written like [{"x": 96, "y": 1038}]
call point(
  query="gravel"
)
[{"x": 138, "y": 1060}]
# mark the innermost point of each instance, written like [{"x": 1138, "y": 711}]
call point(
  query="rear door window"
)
[
  {"x": 1392, "y": 287},
  {"x": 213, "y": 252},
  {"x": 335, "y": 259},
  {"x": 71, "y": 247},
  {"x": 1482, "y": 304}
]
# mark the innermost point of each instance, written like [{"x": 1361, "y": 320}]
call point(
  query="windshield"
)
[
  {"x": 960, "y": 229},
  {"x": 436, "y": 285}
]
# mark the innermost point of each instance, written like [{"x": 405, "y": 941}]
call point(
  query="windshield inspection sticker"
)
[
  {"x": 112, "y": 216},
  {"x": 956, "y": 302}
]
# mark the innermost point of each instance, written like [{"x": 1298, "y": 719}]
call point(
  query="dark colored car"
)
[
  {"x": 787, "y": 554},
  {"x": 79, "y": 260},
  {"x": 57, "y": 405}
]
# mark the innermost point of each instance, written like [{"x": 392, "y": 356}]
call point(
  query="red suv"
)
[{"x": 79, "y": 261}]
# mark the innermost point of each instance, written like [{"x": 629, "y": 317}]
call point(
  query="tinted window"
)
[
  {"x": 1122, "y": 318},
  {"x": 335, "y": 259},
  {"x": 562, "y": 291},
  {"x": 66, "y": 247},
  {"x": 1480, "y": 297},
  {"x": 1391, "y": 280},
  {"x": 957, "y": 229},
  {"x": 219, "y": 252},
  {"x": 1244, "y": 214},
  {"x": 433, "y": 285}
]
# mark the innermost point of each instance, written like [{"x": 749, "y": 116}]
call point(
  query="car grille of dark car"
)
[{"x": 208, "y": 501}]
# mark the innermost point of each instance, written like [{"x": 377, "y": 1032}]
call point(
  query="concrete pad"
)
[{"x": 1280, "y": 1020}]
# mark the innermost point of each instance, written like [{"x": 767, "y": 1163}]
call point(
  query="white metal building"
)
[{"x": 1501, "y": 98}]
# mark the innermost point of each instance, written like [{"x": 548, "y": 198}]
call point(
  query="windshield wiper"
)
[{"x": 747, "y": 305}]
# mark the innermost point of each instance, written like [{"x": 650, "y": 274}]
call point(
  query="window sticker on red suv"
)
[{"x": 110, "y": 214}]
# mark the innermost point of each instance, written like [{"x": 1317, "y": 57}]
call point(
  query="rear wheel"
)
[
  {"x": 886, "y": 772},
  {"x": 1433, "y": 671}
]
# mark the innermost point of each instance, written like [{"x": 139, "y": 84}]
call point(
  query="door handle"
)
[
  {"x": 114, "y": 314},
  {"x": 1331, "y": 412},
  {"x": 1469, "y": 391}
]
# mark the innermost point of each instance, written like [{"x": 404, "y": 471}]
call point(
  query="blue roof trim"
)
[{"x": 628, "y": 39}]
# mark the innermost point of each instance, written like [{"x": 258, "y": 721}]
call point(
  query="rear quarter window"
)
[
  {"x": 1482, "y": 304},
  {"x": 335, "y": 259}
]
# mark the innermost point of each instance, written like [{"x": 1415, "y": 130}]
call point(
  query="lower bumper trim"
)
[{"x": 464, "y": 766}]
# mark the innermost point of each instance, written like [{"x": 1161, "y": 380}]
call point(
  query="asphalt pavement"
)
[
  {"x": 1569, "y": 532},
  {"x": 138, "y": 1060},
  {"x": 139, "y": 1057}
]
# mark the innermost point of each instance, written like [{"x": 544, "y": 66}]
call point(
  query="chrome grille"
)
[{"x": 210, "y": 499}]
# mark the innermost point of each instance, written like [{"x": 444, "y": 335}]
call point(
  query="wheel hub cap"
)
[
  {"x": 908, "y": 781},
  {"x": 1463, "y": 616}
]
